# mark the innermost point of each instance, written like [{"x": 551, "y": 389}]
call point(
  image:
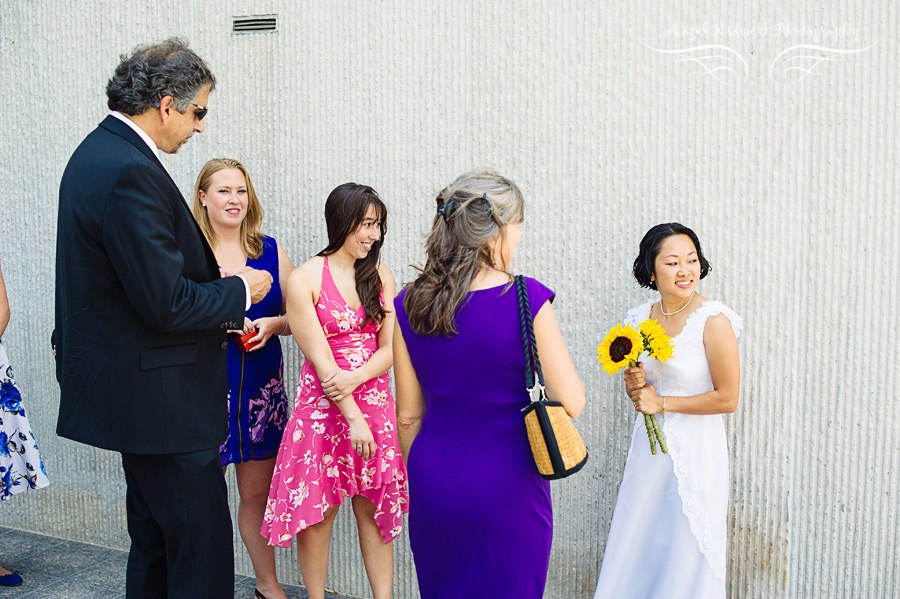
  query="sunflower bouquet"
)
[{"x": 622, "y": 346}]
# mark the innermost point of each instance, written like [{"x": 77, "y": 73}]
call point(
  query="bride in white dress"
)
[{"x": 667, "y": 537}]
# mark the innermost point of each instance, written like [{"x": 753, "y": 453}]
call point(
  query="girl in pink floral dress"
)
[{"x": 341, "y": 440}]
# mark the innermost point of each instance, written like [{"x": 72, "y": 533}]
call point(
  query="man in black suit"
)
[{"x": 141, "y": 318}]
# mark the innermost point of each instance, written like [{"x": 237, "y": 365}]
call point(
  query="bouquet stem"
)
[
  {"x": 654, "y": 432},
  {"x": 651, "y": 433},
  {"x": 659, "y": 435}
]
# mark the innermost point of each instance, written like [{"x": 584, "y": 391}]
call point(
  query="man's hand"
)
[
  {"x": 248, "y": 326},
  {"x": 259, "y": 280}
]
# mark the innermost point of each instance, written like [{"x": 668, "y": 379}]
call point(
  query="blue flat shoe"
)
[{"x": 10, "y": 580}]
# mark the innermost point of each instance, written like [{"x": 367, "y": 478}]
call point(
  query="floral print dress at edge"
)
[
  {"x": 21, "y": 467},
  {"x": 316, "y": 466}
]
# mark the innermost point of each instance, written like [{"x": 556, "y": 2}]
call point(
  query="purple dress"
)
[{"x": 480, "y": 517}]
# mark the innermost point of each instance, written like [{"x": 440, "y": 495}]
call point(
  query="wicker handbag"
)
[{"x": 555, "y": 443}]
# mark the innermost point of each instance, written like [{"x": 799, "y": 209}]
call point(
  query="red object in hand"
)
[{"x": 242, "y": 342}]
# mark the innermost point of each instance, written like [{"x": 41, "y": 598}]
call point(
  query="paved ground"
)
[{"x": 58, "y": 569}]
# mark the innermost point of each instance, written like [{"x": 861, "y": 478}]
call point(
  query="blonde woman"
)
[{"x": 230, "y": 215}]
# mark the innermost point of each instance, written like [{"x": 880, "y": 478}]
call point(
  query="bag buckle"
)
[{"x": 541, "y": 394}]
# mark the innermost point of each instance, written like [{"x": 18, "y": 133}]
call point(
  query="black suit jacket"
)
[{"x": 141, "y": 311}]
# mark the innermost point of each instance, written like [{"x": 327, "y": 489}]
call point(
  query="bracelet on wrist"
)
[{"x": 284, "y": 328}]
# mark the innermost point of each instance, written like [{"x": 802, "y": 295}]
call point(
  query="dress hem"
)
[
  {"x": 396, "y": 482},
  {"x": 254, "y": 459}
]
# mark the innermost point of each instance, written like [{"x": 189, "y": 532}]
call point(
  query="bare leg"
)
[
  {"x": 253, "y": 481},
  {"x": 4, "y": 571},
  {"x": 313, "y": 544},
  {"x": 378, "y": 556}
]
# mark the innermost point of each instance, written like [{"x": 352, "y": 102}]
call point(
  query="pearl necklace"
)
[{"x": 679, "y": 309}]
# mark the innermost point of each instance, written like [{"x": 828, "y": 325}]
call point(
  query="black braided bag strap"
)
[{"x": 529, "y": 345}]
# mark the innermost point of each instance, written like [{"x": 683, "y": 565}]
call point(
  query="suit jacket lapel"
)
[{"x": 116, "y": 126}]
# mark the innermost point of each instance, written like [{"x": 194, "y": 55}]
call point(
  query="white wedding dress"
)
[{"x": 667, "y": 537}]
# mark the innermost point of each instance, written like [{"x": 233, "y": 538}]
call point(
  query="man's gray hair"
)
[{"x": 152, "y": 72}]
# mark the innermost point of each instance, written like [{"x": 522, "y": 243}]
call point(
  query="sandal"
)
[{"x": 13, "y": 579}]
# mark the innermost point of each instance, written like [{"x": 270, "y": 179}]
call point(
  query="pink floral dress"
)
[{"x": 316, "y": 465}]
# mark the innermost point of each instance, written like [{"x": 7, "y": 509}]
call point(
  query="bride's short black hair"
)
[{"x": 649, "y": 250}]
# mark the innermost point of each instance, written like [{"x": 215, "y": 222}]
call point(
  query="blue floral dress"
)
[
  {"x": 257, "y": 402},
  {"x": 21, "y": 467}
]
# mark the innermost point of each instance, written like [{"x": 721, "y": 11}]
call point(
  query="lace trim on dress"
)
[
  {"x": 709, "y": 534},
  {"x": 699, "y": 518},
  {"x": 637, "y": 315},
  {"x": 711, "y": 308}
]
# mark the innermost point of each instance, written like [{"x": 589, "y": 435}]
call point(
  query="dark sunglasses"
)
[{"x": 200, "y": 114}]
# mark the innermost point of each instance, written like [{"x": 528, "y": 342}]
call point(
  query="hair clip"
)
[
  {"x": 490, "y": 207},
  {"x": 446, "y": 210}
]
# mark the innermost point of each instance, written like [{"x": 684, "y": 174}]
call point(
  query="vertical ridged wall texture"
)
[{"x": 790, "y": 180}]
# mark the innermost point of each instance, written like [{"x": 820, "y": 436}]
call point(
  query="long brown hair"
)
[
  {"x": 472, "y": 211},
  {"x": 251, "y": 235},
  {"x": 345, "y": 210}
]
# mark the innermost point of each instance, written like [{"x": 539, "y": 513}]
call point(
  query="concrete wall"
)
[{"x": 789, "y": 178}]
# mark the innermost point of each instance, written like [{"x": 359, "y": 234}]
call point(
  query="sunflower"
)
[
  {"x": 622, "y": 345},
  {"x": 657, "y": 343}
]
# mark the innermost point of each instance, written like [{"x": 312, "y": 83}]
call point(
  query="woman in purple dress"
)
[{"x": 480, "y": 518}]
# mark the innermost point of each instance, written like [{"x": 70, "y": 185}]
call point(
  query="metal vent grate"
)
[{"x": 254, "y": 24}]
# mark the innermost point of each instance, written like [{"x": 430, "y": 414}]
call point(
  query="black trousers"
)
[{"x": 180, "y": 527}]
